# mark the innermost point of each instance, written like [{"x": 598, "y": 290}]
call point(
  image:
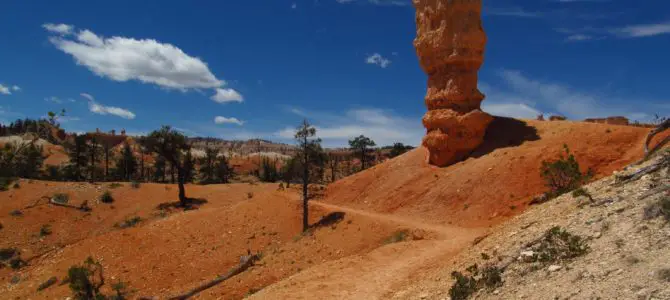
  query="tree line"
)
[{"x": 165, "y": 156}]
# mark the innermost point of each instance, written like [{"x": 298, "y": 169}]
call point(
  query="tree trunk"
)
[
  {"x": 142, "y": 165},
  {"x": 182, "y": 191},
  {"x": 172, "y": 167},
  {"x": 106, "y": 163},
  {"x": 362, "y": 159},
  {"x": 305, "y": 181}
]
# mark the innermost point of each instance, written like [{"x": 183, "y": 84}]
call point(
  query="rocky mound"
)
[
  {"x": 623, "y": 228},
  {"x": 497, "y": 182}
]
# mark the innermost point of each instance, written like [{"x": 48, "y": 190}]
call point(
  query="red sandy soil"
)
[
  {"x": 498, "y": 182},
  {"x": 172, "y": 251}
]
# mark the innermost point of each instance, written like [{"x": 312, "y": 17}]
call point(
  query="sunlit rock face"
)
[{"x": 450, "y": 42}]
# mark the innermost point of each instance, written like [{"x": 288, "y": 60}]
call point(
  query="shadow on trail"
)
[
  {"x": 191, "y": 204},
  {"x": 328, "y": 220}
]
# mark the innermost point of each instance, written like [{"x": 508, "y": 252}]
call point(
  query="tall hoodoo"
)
[{"x": 450, "y": 43}]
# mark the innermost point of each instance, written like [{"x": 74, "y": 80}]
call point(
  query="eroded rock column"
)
[{"x": 450, "y": 43}]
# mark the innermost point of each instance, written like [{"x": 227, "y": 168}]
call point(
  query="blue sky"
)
[{"x": 245, "y": 69}]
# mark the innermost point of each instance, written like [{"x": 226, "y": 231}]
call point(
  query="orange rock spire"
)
[{"x": 450, "y": 44}]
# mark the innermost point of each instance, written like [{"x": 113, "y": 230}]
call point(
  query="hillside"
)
[
  {"x": 497, "y": 182},
  {"x": 403, "y": 222}
]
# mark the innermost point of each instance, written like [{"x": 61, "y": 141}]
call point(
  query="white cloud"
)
[
  {"x": 54, "y": 100},
  {"x": 146, "y": 60},
  {"x": 227, "y": 95},
  {"x": 100, "y": 109},
  {"x": 224, "y": 120},
  {"x": 4, "y": 90},
  {"x": 87, "y": 96},
  {"x": 294, "y": 5},
  {"x": 645, "y": 30},
  {"x": 62, "y": 29},
  {"x": 523, "y": 96},
  {"x": 383, "y": 126},
  {"x": 579, "y": 37},
  {"x": 16, "y": 88},
  {"x": 377, "y": 59},
  {"x": 512, "y": 110}
]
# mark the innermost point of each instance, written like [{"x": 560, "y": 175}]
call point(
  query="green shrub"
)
[
  {"x": 16, "y": 213},
  {"x": 135, "y": 184},
  {"x": 491, "y": 277},
  {"x": 464, "y": 286},
  {"x": 106, "y": 197},
  {"x": 17, "y": 185},
  {"x": 5, "y": 183},
  {"x": 86, "y": 280},
  {"x": 61, "y": 198},
  {"x": 397, "y": 236},
  {"x": 121, "y": 290},
  {"x": 559, "y": 245},
  {"x": 129, "y": 222},
  {"x": 664, "y": 274},
  {"x": 115, "y": 185},
  {"x": 658, "y": 209},
  {"x": 44, "y": 285},
  {"x": 8, "y": 253},
  {"x": 45, "y": 230},
  {"x": 563, "y": 175},
  {"x": 12, "y": 258},
  {"x": 582, "y": 192}
]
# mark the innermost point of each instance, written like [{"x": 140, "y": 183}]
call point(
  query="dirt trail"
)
[
  {"x": 444, "y": 231},
  {"x": 378, "y": 272}
]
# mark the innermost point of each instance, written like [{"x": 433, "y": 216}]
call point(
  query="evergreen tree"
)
[
  {"x": 361, "y": 145},
  {"x": 159, "y": 169},
  {"x": 305, "y": 138},
  {"x": 208, "y": 166},
  {"x": 93, "y": 151},
  {"x": 189, "y": 167},
  {"x": 223, "y": 170},
  {"x": 171, "y": 145},
  {"x": 269, "y": 170},
  {"x": 76, "y": 151},
  {"x": 126, "y": 165}
]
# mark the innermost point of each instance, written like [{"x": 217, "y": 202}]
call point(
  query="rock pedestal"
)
[{"x": 450, "y": 44}]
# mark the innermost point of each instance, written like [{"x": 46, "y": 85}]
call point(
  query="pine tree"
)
[
  {"x": 223, "y": 170},
  {"x": 305, "y": 138},
  {"x": 126, "y": 165},
  {"x": 208, "y": 166}
]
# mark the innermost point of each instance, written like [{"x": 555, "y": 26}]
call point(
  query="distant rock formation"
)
[
  {"x": 450, "y": 43},
  {"x": 557, "y": 118},
  {"x": 610, "y": 120}
]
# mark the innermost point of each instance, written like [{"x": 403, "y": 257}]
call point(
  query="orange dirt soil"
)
[{"x": 169, "y": 252}]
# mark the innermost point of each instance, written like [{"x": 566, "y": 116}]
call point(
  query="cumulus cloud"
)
[
  {"x": 378, "y": 59},
  {"x": 4, "y": 90},
  {"x": 383, "y": 126},
  {"x": 62, "y": 29},
  {"x": 224, "y": 120},
  {"x": 101, "y": 109},
  {"x": 16, "y": 88},
  {"x": 227, "y": 95},
  {"x": 145, "y": 60}
]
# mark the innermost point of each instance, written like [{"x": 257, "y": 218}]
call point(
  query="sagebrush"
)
[{"x": 563, "y": 174}]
